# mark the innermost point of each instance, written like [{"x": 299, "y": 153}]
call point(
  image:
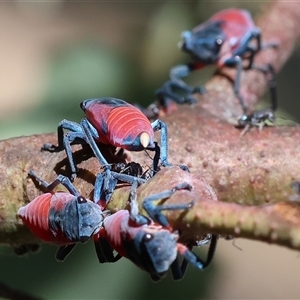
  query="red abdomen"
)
[
  {"x": 35, "y": 215},
  {"x": 125, "y": 126},
  {"x": 118, "y": 123}
]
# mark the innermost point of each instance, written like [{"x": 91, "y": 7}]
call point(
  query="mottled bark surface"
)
[{"x": 250, "y": 174}]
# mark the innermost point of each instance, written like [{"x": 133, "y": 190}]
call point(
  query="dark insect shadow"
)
[{"x": 85, "y": 153}]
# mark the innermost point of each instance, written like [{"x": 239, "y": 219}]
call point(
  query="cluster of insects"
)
[
  {"x": 229, "y": 38},
  {"x": 66, "y": 219}
]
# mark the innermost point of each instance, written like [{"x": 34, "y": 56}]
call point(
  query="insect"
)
[
  {"x": 112, "y": 122},
  {"x": 131, "y": 168},
  {"x": 258, "y": 118},
  {"x": 229, "y": 38},
  {"x": 149, "y": 242},
  {"x": 62, "y": 218}
]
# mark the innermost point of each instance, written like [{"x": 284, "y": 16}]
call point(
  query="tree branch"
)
[{"x": 251, "y": 174}]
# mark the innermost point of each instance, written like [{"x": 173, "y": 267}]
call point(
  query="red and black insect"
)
[
  {"x": 149, "y": 242},
  {"x": 61, "y": 218},
  {"x": 112, "y": 122},
  {"x": 228, "y": 38}
]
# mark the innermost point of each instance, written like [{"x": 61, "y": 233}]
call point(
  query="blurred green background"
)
[{"x": 56, "y": 54}]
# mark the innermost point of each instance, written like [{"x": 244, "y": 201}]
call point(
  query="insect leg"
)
[
  {"x": 159, "y": 125},
  {"x": 179, "y": 71},
  {"x": 134, "y": 207},
  {"x": 64, "y": 124},
  {"x": 75, "y": 135},
  {"x": 237, "y": 61},
  {"x": 154, "y": 211},
  {"x": 178, "y": 270},
  {"x": 67, "y": 141},
  {"x": 246, "y": 47},
  {"x": 91, "y": 134},
  {"x": 104, "y": 251},
  {"x": 104, "y": 186},
  {"x": 63, "y": 252},
  {"x": 269, "y": 71},
  {"x": 106, "y": 182},
  {"x": 65, "y": 181},
  {"x": 190, "y": 257},
  {"x": 166, "y": 92},
  {"x": 156, "y": 157}
]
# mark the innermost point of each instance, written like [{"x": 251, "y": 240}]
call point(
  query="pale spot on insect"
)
[{"x": 145, "y": 139}]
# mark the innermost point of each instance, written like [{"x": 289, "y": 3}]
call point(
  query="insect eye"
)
[
  {"x": 148, "y": 237},
  {"x": 81, "y": 200},
  {"x": 243, "y": 120}
]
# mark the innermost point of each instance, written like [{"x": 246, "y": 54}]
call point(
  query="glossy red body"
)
[
  {"x": 119, "y": 125},
  {"x": 35, "y": 215}
]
